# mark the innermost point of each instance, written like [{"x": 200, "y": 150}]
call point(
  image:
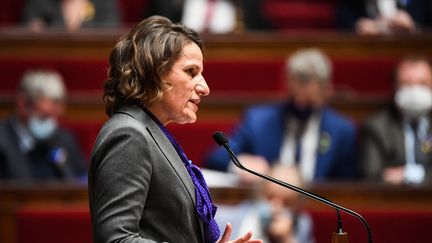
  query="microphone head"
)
[{"x": 220, "y": 138}]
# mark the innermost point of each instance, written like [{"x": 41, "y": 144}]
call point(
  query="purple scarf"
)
[{"x": 204, "y": 206}]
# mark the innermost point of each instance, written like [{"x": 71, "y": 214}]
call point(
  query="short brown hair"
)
[{"x": 139, "y": 60}]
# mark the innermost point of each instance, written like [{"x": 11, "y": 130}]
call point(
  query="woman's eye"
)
[{"x": 190, "y": 72}]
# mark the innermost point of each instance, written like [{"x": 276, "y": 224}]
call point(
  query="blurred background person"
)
[
  {"x": 397, "y": 142},
  {"x": 276, "y": 215},
  {"x": 214, "y": 16},
  {"x": 172, "y": 9},
  {"x": 32, "y": 145},
  {"x": 254, "y": 16},
  {"x": 302, "y": 130},
  {"x": 70, "y": 14},
  {"x": 375, "y": 17}
]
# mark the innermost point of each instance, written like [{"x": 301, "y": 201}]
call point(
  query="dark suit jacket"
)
[
  {"x": 49, "y": 11},
  {"x": 383, "y": 144},
  {"x": 261, "y": 133},
  {"x": 349, "y": 11},
  {"x": 39, "y": 162},
  {"x": 139, "y": 188}
]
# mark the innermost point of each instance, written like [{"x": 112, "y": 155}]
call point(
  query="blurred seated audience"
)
[
  {"x": 287, "y": 15},
  {"x": 397, "y": 143},
  {"x": 301, "y": 130},
  {"x": 275, "y": 215},
  {"x": 377, "y": 17},
  {"x": 212, "y": 16},
  {"x": 32, "y": 145},
  {"x": 70, "y": 14}
]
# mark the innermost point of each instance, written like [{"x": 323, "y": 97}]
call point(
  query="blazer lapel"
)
[
  {"x": 396, "y": 135},
  {"x": 322, "y": 155},
  {"x": 173, "y": 158},
  {"x": 165, "y": 147}
]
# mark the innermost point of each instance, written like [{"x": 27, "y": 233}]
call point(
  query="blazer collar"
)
[{"x": 164, "y": 146}]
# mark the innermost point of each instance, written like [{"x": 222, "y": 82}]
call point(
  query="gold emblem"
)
[
  {"x": 324, "y": 143},
  {"x": 426, "y": 145}
]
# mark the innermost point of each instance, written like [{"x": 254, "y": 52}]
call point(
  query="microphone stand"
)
[{"x": 338, "y": 237}]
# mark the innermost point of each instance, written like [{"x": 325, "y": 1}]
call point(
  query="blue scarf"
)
[{"x": 204, "y": 206}]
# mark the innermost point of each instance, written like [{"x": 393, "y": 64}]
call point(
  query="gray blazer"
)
[{"x": 139, "y": 189}]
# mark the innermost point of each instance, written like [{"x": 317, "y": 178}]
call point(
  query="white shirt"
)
[
  {"x": 309, "y": 145},
  {"x": 414, "y": 172},
  {"x": 216, "y": 16}
]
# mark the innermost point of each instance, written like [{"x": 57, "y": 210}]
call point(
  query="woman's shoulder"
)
[
  {"x": 124, "y": 125},
  {"x": 128, "y": 118}
]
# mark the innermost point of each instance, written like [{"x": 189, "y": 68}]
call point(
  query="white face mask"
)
[
  {"x": 414, "y": 101},
  {"x": 42, "y": 128}
]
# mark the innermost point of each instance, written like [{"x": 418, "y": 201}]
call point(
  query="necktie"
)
[
  {"x": 298, "y": 134},
  {"x": 298, "y": 149},
  {"x": 204, "y": 205},
  {"x": 418, "y": 153}
]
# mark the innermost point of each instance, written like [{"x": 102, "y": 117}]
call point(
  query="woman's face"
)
[{"x": 183, "y": 87}]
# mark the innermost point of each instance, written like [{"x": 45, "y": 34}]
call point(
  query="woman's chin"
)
[{"x": 191, "y": 118}]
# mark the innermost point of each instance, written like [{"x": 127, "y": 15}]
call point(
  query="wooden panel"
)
[
  {"x": 355, "y": 195},
  {"x": 97, "y": 43}
]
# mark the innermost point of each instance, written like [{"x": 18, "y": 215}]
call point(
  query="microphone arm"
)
[{"x": 221, "y": 139}]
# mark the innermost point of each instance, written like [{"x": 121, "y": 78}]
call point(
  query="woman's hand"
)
[{"x": 244, "y": 239}]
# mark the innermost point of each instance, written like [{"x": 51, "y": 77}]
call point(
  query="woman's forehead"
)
[{"x": 190, "y": 54}]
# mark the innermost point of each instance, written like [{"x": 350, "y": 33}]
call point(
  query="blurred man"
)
[
  {"x": 39, "y": 15},
  {"x": 300, "y": 131},
  {"x": 31, "y": 143},
  {"x": 378, "y": 17},
  {"x": 397, "y": 143}
]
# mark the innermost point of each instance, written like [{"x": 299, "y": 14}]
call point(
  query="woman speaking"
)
[{"x": 142, "y": 187}]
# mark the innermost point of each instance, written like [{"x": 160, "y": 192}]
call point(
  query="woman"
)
[{"x": 142, "y": 186}]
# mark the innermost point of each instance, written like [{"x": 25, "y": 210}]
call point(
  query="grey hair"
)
[
  {"x": 42, "y": 83},
  {"x": 309, "y": 64}
]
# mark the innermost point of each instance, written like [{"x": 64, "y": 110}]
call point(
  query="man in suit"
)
[
  {"x": 32, "y": 146},
  {"x": 302, "y": 130},
  {"x": 397, "y": 142},
  {"x": 375, "y": 17}
]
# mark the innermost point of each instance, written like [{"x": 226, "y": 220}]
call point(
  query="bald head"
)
[{"x": 278, "y": 194}]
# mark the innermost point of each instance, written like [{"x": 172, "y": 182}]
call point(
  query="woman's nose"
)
[{"x": 202, "y": 88}]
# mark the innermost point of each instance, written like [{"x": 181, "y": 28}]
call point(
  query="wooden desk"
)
[
  {"x": 97, "y": 43},
  {"x": 354, "y": 195}
]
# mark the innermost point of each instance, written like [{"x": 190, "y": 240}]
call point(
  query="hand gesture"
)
[{"x": 244, "y": 239}]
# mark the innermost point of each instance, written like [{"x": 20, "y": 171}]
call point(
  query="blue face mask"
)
[{"x": 42, "y": 128}]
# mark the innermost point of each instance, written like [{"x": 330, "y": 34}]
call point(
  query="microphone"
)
[{"x": 222, "y": 141}]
